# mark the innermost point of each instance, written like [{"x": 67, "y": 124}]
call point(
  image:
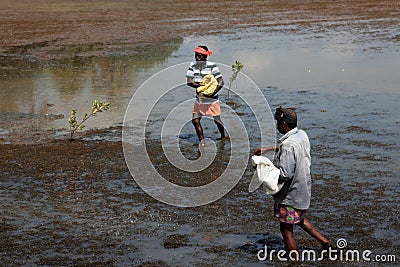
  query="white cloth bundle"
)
[{"x": 267, "y": 174}]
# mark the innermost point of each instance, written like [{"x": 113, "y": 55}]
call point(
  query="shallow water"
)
[
  {"x": 52, "y": 90},
  {"x": 347, "y": 102}
]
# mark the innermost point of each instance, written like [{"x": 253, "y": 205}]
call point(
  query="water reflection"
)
[
  {"x": 306, "y": 63},
  {"x": 56, "y": 87}
]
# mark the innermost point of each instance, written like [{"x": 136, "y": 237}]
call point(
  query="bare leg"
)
[
  {"x": 198, "y": 128},
  {"x": 288, "y": 236},
  {"x": 221, "y": 129},
  {"x": 307, "y": 226}
]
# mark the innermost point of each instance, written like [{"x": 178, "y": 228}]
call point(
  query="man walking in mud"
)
[
  {"x": 209, "y": 105},
  {"x": 294, "y": 160}
]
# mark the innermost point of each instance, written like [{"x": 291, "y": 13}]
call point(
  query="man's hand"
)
[
  {"x": 257, "y": 151},
  {"x": 190, "y": 82},
  {"x": 262, "y": 150}
]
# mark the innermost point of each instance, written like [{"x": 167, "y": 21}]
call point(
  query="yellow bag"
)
[{"x": 208, "y": 86}]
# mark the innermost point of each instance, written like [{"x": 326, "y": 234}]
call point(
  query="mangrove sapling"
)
[
  {"x": 74, "y": 125},
  {"x": 236, "y": 68}
]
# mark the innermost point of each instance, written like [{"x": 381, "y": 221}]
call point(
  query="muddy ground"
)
[
  {"x": 57, "y": 29},
  {"x": 70, "y": 174}
]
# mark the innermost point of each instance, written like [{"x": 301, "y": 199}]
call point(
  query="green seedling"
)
[
  {"x": 74, "y": 125},
  {"x": 236, "y": 68}
]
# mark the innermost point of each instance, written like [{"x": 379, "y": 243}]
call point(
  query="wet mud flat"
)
[
  {"x": 46, "y": 30},
  {"x": 76, "y": 204}
]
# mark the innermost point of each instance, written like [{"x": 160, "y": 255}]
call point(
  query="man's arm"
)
[
  {"x": 221, "y": 83},
  {"x": 261, "y": 150},
  {"x": 191, "y": 83}
]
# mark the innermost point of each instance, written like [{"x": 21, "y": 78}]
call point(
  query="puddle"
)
[{"x": 53, "y": 89}]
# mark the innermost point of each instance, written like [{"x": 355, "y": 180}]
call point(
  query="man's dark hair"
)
[
  {"x": 287, "y": 115},
  {"x": 292, "y": 125},
  {"x": 204, "y": 47}
]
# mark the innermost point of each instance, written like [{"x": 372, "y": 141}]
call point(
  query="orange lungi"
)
[{"x": 200, "y": 109}]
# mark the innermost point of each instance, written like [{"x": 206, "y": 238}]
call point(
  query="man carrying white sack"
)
[{"x": 293, "y": 161}]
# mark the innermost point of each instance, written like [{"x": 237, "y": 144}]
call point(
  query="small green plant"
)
[
  {"x": 74, "y": 125},
  {"x": 236, "y": 68}
]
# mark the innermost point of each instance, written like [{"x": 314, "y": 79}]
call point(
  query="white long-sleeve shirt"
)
[{"x": 294, "y": 161}]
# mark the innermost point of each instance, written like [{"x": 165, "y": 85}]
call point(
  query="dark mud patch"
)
[{"x": 176, "y": 241}]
